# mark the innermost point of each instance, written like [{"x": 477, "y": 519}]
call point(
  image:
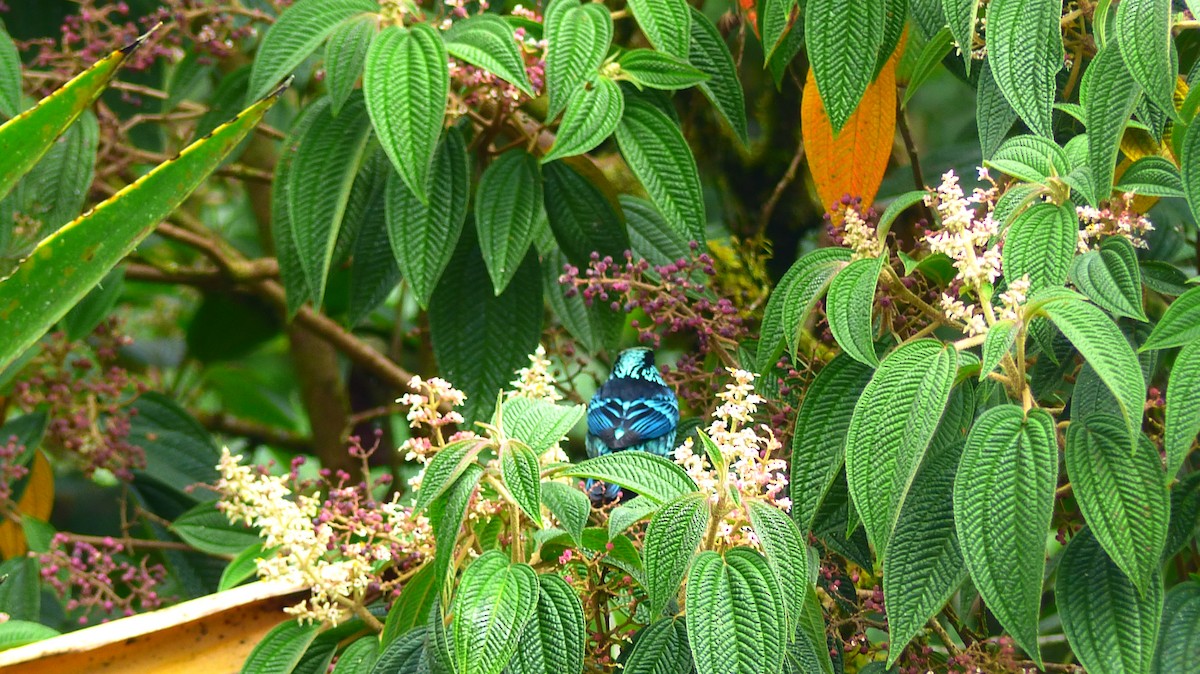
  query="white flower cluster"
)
[
  {"x": 536, "y": 381},
  {"x": 1098, "y": 223},
  {"x": 747, "y": 450},
  {"x": 859, "y": 236},
  {"x": 1013, "y": 297},
  {"x": 425, "y": 409},
  {"x": 963, "y": 237}
]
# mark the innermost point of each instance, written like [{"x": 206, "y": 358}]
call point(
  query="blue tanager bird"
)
[{"x": 634, "y": 410}]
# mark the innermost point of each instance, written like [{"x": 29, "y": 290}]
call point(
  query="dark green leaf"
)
[
  {"x": 553, "y": 641},
  {"x": 660, "y": 648},
  {"x": 993, "y": 114},
  {"x": 671, "y": 542},
  {"x": 849, "y": 308},
  {"x": 520, "y": 470},
  {"x": 487, "y": 41},
  {"x": 592, "y": 113},
  {"x": 709, "y": 53},
  {"x": 569, "y": 506},
  {"x": 649, "y": 475},
  {"x": 281, "y": 649},
  {"x": 411, "y": 609},
  {"x": 582, "y": 217},
  {"x": 843, "y": 40},
  {"x": 1183, "y": 407},
  {"x": 1025, "y": 50},
  {"x": 1041, "y": 244},
  {"x": 345, "y": 55},
  {"x": 666, "y": 24},
  {"x": 1152, "y": 176},
  {"x": 577, "y": 40},
  {"x": 508, "y": 204},
  {"x": 656, "y": 70},
  {"x": 1143, "y": 31},
  {"x": 209, "y": 530},
  {"x": 1179, "y": 640},
  {"x": 1112, "y": 95},
  {"x": 793, "y": 299},
  {"x": 1110, "y": 277},
  {"x": 735, "y": 611},
  {"x": 1179, "y": 325},
  {"x": 492, "y": 605}
]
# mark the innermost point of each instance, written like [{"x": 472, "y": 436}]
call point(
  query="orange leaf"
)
[
  {"x": 36, "y": 501},
  {"x": 855, "y": 161}
]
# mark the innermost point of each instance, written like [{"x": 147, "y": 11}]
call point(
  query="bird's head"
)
[{"x": 636, "y": 363}]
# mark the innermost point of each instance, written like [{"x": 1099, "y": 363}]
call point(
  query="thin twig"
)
[{"x": 768, "y": 209}]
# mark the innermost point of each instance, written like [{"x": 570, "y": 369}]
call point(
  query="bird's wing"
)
[{"x": 621, "y": 423}]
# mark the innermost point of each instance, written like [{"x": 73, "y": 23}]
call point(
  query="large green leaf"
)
[
  {"x": 1030, "y": 158},
  {"x": 27, "y": 136},
  {"x": 1183, "y": 408},
  {"x": 661, "y": 648},
  {"x": 931, "y": 56},
  {"x": 809, "y": 652},
  {"x": 553, "y": 640},
  {"x": 424, "y": 235},
  {"x": 596, "y": 326},
  {"x": 592, "y": 114},
  {"x": 291, "y": 270},
  {"x": 319, "y": 182},
  {"x": 281, "y": 649},
  {"x": 345, "y": 55},
  {"x": 1111, "y": 278},
  {"x": 480, "y": 338},
  {"x": 69, "y": 263},
  {"x": 1106, "y": 350},
  {"x": 961, "y": 16},
  {"x": 843, "y": 38},
  {"x": 666, "y": 23},
  {"x": 569, "y": 506},
  {"x": 443, "y": 470},
  {"x": 297, "y": 34},
  {"x": 487, "y": 41},
  {"x": 998, "y": 343},
  {"x": 407, "y": 82},
  {"x": 924, "y": 566},
  {"x": 446, "y": 517},
  {"x": 374, "y": 272},
  {"x": 1179, "y": 640},
  {"x": 709, "y": 53},
  {"x": 656, "y": 151},
  {"x": 508, "y": 205},
  {"x": 786, "y": 551},
  {"x": 519, "y": 467},
  {"x": 993, "y": 114},
  {"x": 1123, "y": 496},
  {"x": 1152, "y": 176},
  {"x": 735, "y": 614},
  {"x": 651, "y": 237},
  {"x": 10, "y": 76},
  {"x": 539, "y": 424},
  {"x": 1179, "y": 325},
  {"x": 1189, "y": 166},
  {"x": 1112, "y": 95},
  {"x": 656, "y": 70},
  {"x": 1112, "y": 628},
  {"x": 793, "y": 299},
  {"x": 493, "y": 603},
  {"x": 359, "y": 656},
  {"x": 1143, "y": 31},
  {"x": 581, "y": 216},
  {"x": 819, "y": 439},
  {"x": 671, "y": 541},
  {"x": 21, "y": 591},
  {"x": 893, "y": 423},
  {"x": 1003, "y": 500},
  {"x": 577, "y": 39},
  {"x": 1025, "y": 51},
  {"x": 649, "y": 475},
  {"x": 411, "y": 609},
  {"x": 851, "y": 300},
  {"x": 1041, "y": 243},
  {"x": 209, "y": 530},
  {"x": 180, "y": 453}
]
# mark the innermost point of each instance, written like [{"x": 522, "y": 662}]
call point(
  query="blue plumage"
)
[{"x": 633, "y": 410}]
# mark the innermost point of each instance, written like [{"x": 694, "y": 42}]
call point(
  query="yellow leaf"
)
[
  {"x": 36, "y": 501},
  {"x": 855, "y": 161}
]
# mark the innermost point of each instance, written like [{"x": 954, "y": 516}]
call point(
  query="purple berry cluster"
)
[{"x": 99, "y": 578}]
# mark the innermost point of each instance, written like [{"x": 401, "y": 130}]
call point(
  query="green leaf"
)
[
  {"x": 1025, "y": 50},
  {"x": 786, "y": 551},
  {"x": 209, "y": 530},
  {"x": 69, "y": 263},
  {"x": 851, "y": 299},
  {"x": 374, "y": 272},
  {"x": 21, "y": 591},
  {"x": 652, "y": 238},
  {"x": 597, "y": 326},
  {"x": 319, "y": 183},
  {"x": 649, "y": 475},
  {"x": 998, "y": 343},
  {"x": 932, "y": 55},
  {"x": 508, "y": 204},
  {"x": 735, "y": 611},
  {"x": 656, "y": 70},
  {"x": 407, "y": 82},
  {"x": 487, "y": 41},
  {"x": 924, "y": 566},
  {"x": 345, "y": 55},
  {"x": 1182, "y": 407},
  {"x": 10, "y": 76},
  {"x": 1123, "y": 496},
  {"x": 819, "y": 440},
  {"x": 581, "y": 216},
  {"x": 83, "y": 318},
  {"x": 1111, "y": 627},
  {"x": 1041, "y": 244},
  {"x": 1190, "y": 165},
  {"x": 1030, "y": 158},
  {"x": 993, "y": 114},
  {"x": 27, "y": 136},
  {"x": 569, "y": 506},
  {"x": 1107, "y": 351},
  {"x": 1112, "y": 95},
  {"x": 630, "y": 513},
  {"x": 412, "y": 608},
  {"x": 843, "y": 38},
  {"x": 1179, "y": 325},
  {"x": 893, "y": 423},
  {"x": 291, "y": 269},
  {"x": 492, "y": 605},
  {"x": 774, "y": 22},
  {"x": 480, "y": 338},
  {"x": 538, "y": 423},
  {"x": 1003, "y": 500},
  {"x": 446, "y": 516},
  {"x": 281, "y": 649},
  {"x": 242, "y": 567},
  {"x": 1152, "y": 176},
  {"x": 895, "y": 20},
  {"x": 1143, "y": 31},
  {"x": 1110, "y": 277},
  {"x": 793, "y": 299},
  {"x": 359, "y": 656},
  {"x": 660, "y": 648},
  {"x": 180, "y": 453},
  {"x": 577, "y": 39},
  {"x": 443, "y": 470},
  {"x": 671, "y": 542},
  {"x": 1163, "y": 278},
  {"x": 519, "y": 467},
  {"x": 666, "y": 23},
  {"x": 15, "y": 633},
  {"x": 1179, "y": 640},
  {"x": 297, "y": 34},
  {"x": 656, "y": 151},
  {"x": 592, "y": 113},
  {"x": 961, "y": 15},
  {"x": 809, "y": 651},
  {"x": 423, "y": 235},
  {"x": 554, "y": 640},
  {"x": 709, "y": 53}
]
